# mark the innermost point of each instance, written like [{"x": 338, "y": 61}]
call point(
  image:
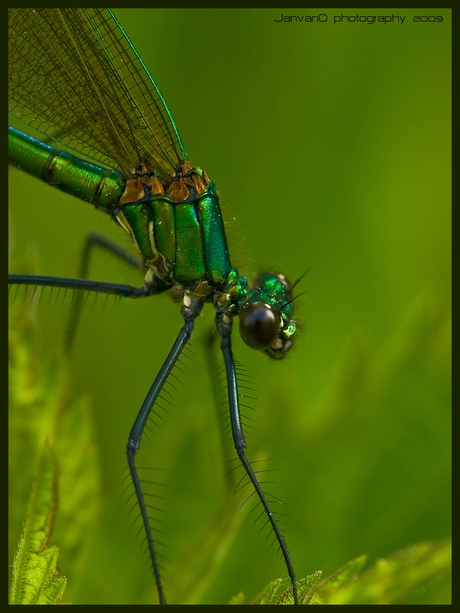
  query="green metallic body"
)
[
  {"x": 188, "y": 237},
  {"x": 86, "y": 181}
]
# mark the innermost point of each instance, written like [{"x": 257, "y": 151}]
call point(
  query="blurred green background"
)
[{"x": 330, "y": 148}]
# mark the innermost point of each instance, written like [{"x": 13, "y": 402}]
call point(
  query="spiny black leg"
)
[
  {"x": 189, "y": 314},
  {"x": 224, "y": 327},
  {"x": 93, "y": 240},
  {"x": 100, "y": 287},
  {"x": 215, "y": 374},
  {"x": 282, "y": 544}
]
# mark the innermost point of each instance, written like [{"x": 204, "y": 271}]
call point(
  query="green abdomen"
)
[{"x": 189, "y": 235}]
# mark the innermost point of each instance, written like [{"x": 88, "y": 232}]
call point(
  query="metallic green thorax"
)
[{"x": 188, "y": 235}]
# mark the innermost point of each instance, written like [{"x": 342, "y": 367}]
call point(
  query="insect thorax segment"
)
[{"x": 178, "y": 228}]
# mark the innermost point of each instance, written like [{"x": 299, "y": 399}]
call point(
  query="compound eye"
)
[{"x": 259, "y": 325}]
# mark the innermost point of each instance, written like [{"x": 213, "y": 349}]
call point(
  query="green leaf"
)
[
  {"x": 265, "y": 597},
  {"x": 305, "y": 589},
  {"x": 399, "y": 579},
  {"x": 342, "y": 576},
  {"x": 35, "y": 567},
  {"x": 53, "y": 436}
]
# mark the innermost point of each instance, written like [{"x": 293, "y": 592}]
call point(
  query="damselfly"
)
[{"x": 75, "y": 78}]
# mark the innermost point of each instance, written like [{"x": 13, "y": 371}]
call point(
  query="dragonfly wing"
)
[{"x": 75, "y": 77}]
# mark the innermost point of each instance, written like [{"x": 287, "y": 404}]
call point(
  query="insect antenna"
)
[{"x": 291, "y": 287}]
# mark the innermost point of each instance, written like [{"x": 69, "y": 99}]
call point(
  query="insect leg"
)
[
  {"x": 93, "y": 240},
  {"x": 189, "y": 314},
  {"x": 224, "y": 327}
]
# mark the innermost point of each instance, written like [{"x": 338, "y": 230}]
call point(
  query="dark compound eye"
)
[{"x": 259, "y": 325}]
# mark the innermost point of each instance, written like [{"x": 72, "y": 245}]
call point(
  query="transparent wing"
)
[{"x": 75, "y": 77}]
